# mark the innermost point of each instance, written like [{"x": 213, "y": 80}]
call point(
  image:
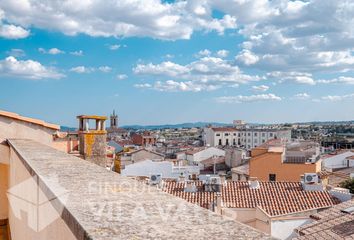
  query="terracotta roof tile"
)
[
  {"x": 275, "y": 198},
  {"x": 330, "y": 224}
]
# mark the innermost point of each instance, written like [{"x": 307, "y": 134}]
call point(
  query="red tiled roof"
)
[
  {"x": 330, "y": 224},
  {"x": 224, "y": 129},
  {"x": 275, "y": 198}
]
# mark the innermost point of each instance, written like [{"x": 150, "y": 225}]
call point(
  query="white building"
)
[
  {"x": 166, "y": 169},
  {"x": 340, "y": 160},
  {"x": 197, "y": 155},
  {"x": 244, "y": 137}
]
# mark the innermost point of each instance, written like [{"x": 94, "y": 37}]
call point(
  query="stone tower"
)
[
  {"x": 114, "y": 120},
  {"x": 93, "y": 141}
]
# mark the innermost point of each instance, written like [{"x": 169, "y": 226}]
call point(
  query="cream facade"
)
[{"x": 247, "y": 138}]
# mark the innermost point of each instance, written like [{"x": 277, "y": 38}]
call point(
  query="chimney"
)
[
  {"x": 181, "y": 178},
  {"x": 253, "y": 183},
  {"x": 189, "y": 186},
  {"x": 222, "y": 178},
  {"x": 218, "y": 203}
]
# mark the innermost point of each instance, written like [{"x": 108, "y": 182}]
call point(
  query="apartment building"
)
[
  {"x": 278, "y": 160},
  {"x": 242, "y": 137}
]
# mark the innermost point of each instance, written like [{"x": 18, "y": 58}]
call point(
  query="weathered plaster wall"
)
[{"x": 31, "y": 211}]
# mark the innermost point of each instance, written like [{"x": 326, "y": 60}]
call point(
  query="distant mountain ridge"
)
[{"x": 216, "y": 124}]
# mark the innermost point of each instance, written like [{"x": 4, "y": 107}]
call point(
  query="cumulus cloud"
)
[
  {"x": 174, "y": 86},
  {"x": 13, "y": 32},
  {"x": 122, "y": 76},
  {"x": 114, "y": 47},
  {"x": 260, "y": 88},
  {"x": 204, "y": 71},
  {"x": 125, "y": 18},
  {"x": 52, "y": 51},
  {"x": 105, "y": 69},
  {"x": 295, "y": 77},
  {"x": 341, "y": 79},
  {"x": 82, "y": 69},
  {"x": 77, "y": 53},
  {"x": 250, "y": 98},
  {"x": 247, "y": 57},
  {"x": 222, "y": 53},
  {"x": 27, "y": 69},
  {"x": 301, "y": 96},
  {"x": 203, "y": 53}
]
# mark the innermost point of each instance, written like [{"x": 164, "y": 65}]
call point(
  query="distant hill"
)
[
  {"x": 66, "y": 129},
  {"x": 180, "y": 125},
  {"x": 216, "y": 124}
]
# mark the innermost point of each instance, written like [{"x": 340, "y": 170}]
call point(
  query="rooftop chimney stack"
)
[{"x": 93, "y": 141}]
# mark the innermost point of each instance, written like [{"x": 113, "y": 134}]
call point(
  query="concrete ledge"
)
[{"x": 100, "y": 204}]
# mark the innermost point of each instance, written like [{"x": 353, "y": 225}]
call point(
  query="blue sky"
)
[{"x": 178, "y": 61}]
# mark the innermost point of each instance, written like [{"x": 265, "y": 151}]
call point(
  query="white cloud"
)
[
  {"x": 105, "y": 69},
  {"x": 251, "y": 98},
  {"x": 301, "y": 96},
  {"x": 336, "y": 98},
  {"x": 260, "y": 88},
  {"x": 295, "y": 77},
  {"x": 341, "y": 79},
  {"x": 247, "y": 57},
  {"x": 114, "y": 47},
  {"x": 124, "y": 18},
  {"x": 122, "y": 76},
  {"x": 205, "y": 71},
  {"x": 222, "y": 53},
  {"x": 143, "y": 85},
  {"x": 52, "y": 51},
  {"x": 82, "y": 69},
  {"x": 203, "y": 53},
  {"x": 77, "y": 53},
  {"x": 13, "y": 32},
  {"x": 174, "y": 86},
  {"x": 16, "y": 52},
  {"x": 27, "y": 69}
]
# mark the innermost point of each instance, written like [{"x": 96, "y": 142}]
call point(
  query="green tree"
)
[{"x": 349, "y": 184}]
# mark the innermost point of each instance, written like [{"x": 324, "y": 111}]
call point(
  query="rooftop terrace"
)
[{"x": 100, "y": 204}]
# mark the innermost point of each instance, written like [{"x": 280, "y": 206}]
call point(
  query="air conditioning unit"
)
[
  {"x": 310, "y": 178},
  {"x": 213, "y": 184},
  {"x": 155, "y": 179}
]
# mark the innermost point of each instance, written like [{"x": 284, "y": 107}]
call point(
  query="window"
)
[
  {"x": 227, "y": 142},
  {"x": 272, "y": 177},
  {"x": 263, "y": 134},
  {"x": 263, "y": 141},
  {"x": 239, "y": 134},
  {"x": 219, "y": 141},
  {"x": 270, "y": 134},
  {"x": 234, "y": 134},
  {"x": 226, "y": 134},
  {"x": 255, "y": 134},
  {"x": 255, "y": 141},
  {"x": 234, "y": 142},
  {"x": 249, "y": 140},
  {"x": 218, "y": 134},
  {"x": 249, "y": 134}
]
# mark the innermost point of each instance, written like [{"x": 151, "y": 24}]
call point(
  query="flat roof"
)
[
  {"x": 132, "y": 210},
  {"x": 29, "y": 120},
  {"x": 92, "y": 117}
]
